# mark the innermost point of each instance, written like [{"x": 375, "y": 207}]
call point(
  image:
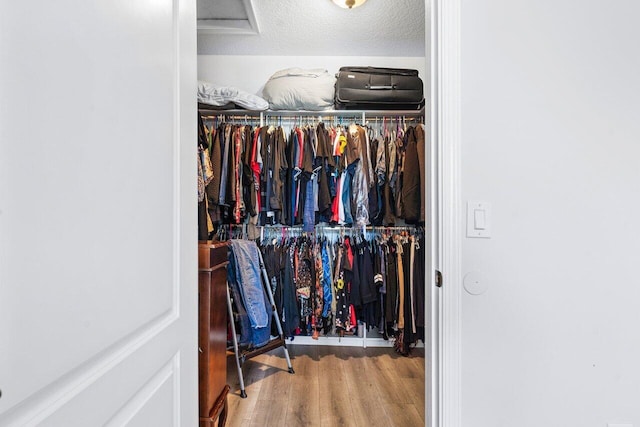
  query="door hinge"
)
[{"x": 438, "y": 278}]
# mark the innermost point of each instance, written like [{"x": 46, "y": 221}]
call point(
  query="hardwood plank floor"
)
[{"x": 332, "y": 386}]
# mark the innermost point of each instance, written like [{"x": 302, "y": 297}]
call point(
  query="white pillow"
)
[
  {"x": 300, "y": 89},
  {"x": 218, "y": 96}
]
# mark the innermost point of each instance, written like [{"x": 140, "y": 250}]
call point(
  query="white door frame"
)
[{"x": 444, "y": 357}]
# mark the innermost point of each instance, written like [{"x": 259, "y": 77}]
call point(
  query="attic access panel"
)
[{"x": 227, "y": 17}]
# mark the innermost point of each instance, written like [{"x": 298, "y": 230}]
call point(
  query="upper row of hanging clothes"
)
[{"x": 345, "y": 175}]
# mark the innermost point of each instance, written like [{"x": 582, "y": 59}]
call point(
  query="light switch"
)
[{"x": 478, "y": 219}]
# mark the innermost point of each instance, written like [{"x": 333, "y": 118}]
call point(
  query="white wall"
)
[
  {"x": 551, "y": 136},
  {"x": 250, "y": 73}
]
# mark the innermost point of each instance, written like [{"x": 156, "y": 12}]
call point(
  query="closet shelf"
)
[{"x": 344, "y": 113}]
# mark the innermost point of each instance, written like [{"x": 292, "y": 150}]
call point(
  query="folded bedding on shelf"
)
[
  {"x": 300, "y": 89},
  {"x": 222, "y": 96}
]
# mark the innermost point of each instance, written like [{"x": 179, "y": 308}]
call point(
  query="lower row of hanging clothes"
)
[
  {"x": 326, "y": 285},
  {"x": 343, "y": 175}
]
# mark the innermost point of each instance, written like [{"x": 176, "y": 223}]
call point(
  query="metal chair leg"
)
[{"x": 234, "y": 336}]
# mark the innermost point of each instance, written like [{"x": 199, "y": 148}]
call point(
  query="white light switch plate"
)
[{"x": 478, "y": 219}]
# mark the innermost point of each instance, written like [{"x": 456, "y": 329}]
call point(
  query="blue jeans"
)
[
  {"x": 252, "y": 303},
  {"x": 247, "y": 264},
  {"x": 244, "y": 336}
]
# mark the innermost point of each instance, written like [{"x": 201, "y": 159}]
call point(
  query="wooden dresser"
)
[{"x": 212, "y": 332}]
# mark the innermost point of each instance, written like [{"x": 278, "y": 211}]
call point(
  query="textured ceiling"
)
[{"x": 318, "y": 27}]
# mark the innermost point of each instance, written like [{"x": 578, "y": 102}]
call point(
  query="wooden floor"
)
[{"x": 332, "y": 386}]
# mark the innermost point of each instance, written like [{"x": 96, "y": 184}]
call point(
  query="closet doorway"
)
[{"x": 240, "y": 45}]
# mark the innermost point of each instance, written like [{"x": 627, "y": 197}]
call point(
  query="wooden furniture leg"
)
[{"x": 219, "y": 411}]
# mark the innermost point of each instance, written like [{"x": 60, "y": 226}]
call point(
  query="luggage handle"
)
[{"x": 381, "y": 87}]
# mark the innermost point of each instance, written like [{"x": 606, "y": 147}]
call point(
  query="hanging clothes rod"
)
[
  {"x": 322, "y": 228},
  {"x": 369, "y": 232},
  {"x": 339, "y": 228},
  {"x": 232, "y": 117},
  {"x": 302, "y": 119},
  {"x": 348, "y": 113},
  {"x": 290, "y": 116},
  {"x": 330, "y": 117},
  {"x": 338, "y": 113}
]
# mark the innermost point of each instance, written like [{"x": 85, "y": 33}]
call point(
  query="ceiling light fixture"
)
[{"x": 348, "y": 4}]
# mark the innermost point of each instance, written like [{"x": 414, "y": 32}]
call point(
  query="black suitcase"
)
[{"x": 370, "y": 88}]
